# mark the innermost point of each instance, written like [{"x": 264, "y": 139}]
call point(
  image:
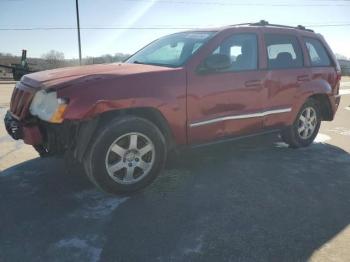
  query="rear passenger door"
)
[{"x": 286, "y": 74}]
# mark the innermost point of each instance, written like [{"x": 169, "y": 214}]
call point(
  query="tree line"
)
[{"x": 56, "y": 59}]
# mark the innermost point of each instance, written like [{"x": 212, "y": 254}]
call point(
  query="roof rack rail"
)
[
  {"x": 265, "y": 23},
  {"x": 241, "y": 24}
]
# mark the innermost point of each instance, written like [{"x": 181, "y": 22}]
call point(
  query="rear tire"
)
[
  {"x": 127, "y": 154},
  {"x": 305, "y": 127}
]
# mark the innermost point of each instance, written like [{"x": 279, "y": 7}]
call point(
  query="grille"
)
[{"x": 20, "y": 101}]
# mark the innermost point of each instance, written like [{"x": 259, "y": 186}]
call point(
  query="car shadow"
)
[{"x": 254, "y": 200}]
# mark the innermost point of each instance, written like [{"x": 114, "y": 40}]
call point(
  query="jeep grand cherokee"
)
[{"x": 120, "y": 120}]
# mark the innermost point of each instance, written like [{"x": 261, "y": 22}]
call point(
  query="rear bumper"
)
[{"x": 30, "y": 133}]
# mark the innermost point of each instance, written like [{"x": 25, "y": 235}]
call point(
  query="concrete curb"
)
[{"x": 7, "y": 82}]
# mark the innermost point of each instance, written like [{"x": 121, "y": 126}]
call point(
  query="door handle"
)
[
  {"x": 252, "y": 83},
  {"x": 303, "y": 78}
]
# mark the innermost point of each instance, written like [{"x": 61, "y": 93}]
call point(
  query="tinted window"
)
[
  {"x": 283, "y": 51},
  {"x": 317, "y": 52},
  {"x": 242, "y": 49}
]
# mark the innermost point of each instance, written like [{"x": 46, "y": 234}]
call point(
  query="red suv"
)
[{"x": 120, "y": 120}]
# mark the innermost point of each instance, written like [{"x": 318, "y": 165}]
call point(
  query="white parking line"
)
[
  {"x": 321, "y": 138},
  {"x": 344, "y": 131},
  {"x": 343, "y": 92},
  {"x": 345, "y": 84}
]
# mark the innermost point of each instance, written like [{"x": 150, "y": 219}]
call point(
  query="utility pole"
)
[{"x": 78, "y": 27}]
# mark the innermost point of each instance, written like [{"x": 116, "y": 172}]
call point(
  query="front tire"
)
[
  {"x": 305, "y": 127},
  {"x": 127, "y": 154}
]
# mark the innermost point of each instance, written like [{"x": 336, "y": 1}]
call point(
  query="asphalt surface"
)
[{"x": 253, "y": 200}]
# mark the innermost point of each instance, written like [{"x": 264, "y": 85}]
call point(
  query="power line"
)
[
  {"x": 321, "y": 3},
  {"x": 141, "y": 28},
  {"x": 120, "y": 26},
  {"x": 277, "y": 4},
  {"x": 92, "y": 28},
  {"x": 340, "y": 25}
]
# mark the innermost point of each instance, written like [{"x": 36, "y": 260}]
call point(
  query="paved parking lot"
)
[{"x": 253, "y": 200}]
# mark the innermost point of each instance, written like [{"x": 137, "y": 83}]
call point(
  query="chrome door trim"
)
[{"x": 235, "y": 117}]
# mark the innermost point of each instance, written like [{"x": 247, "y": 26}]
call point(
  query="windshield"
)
[{"x": 172, "y": 50}]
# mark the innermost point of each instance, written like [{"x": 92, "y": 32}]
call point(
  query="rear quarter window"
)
[
  {"x": 283, "y": 51},
  {"x": 317, "y": 52}
]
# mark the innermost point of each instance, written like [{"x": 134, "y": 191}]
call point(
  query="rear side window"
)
[
  {"x": 317, "y": 52},
  {"x": 283, "y": 51}
]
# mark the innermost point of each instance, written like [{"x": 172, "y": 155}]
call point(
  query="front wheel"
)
[
  {"x": 127, "y": 155},
  {"x": 305, "y": 127}
]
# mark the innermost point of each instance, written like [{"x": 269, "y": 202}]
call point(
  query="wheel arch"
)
[
  {"x": 153, "y": 115},
  {"x": 320, "y": 91},
  {"x": 149, "y": 113},
  {"x": 324, "y": 106}
]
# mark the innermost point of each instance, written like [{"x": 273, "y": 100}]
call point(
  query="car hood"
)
[{"x": 65, "y": 77}]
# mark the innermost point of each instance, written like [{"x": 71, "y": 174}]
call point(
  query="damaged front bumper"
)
[
  {"x": 52, "y": 139},
  {"x": 30, "y": 133}
]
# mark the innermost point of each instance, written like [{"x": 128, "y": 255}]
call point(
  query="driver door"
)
[{"x": 227, "y": 102}]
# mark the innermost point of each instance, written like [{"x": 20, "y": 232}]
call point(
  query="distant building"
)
[{"x": 345, "y": 67}]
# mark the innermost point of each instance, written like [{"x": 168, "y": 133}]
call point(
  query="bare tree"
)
[
  {"x": 340, "y": 56},
  {"x": 54, "y": 59}
]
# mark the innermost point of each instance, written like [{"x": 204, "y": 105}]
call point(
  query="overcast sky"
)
[{"x": 152, "y": 13}]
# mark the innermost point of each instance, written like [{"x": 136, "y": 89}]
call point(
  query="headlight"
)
[{"x": 48, "y": 107}]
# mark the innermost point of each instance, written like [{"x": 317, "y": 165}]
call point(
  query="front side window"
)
[
  {"x": 283, "y": 51},
  {"x": 172, "y": 50},
  {"x": 242, "y": 50},
  {"x": 317, "y": 53}
]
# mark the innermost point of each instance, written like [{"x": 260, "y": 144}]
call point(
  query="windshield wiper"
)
[
  {"x": 155, "y": 64},
  {"x": 139, "y": 63}
]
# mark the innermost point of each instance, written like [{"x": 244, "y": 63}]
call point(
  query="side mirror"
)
[{"x": 214, "y": 63}]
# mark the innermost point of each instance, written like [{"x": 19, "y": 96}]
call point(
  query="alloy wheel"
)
[
  {"x": 307, "y": 123},
  {"x": 130, "y": 158}
]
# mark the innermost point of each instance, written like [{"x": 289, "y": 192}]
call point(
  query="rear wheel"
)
[
  {"x": 305, "y": 127},
  {"x": 126, "y": 155}
]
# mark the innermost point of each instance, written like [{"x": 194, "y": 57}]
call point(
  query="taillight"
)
[
  {"x": 338, "y": 77},
  {"x": 338, "y": 71},
  {"x": 337, "y": 82}
]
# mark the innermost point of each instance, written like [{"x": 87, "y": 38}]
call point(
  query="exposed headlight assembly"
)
[{"x": 48, "y": 107}]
